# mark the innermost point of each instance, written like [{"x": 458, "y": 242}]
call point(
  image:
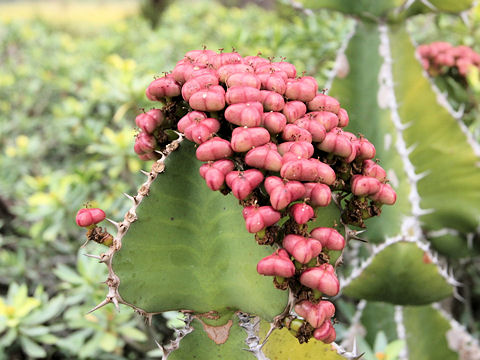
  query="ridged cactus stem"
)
[
  {"x": 459, "y": 339},
  {"x": 430, "y": 256},
  {"x": 457, "y": 115},
  {"x": 251, "y": 325},
  {"x": 341, "y": 61},
  {"x": 387, "y": 87},
  {"x": 401, "y": 332},
  {"x": 179, "y": 335},
  {"x": 113, "y": 281},
  {"x": 355, "y": 327}
]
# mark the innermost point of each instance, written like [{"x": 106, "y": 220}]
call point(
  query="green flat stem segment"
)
[
  {"x": 441, "y": 150},
  {"x": 189, "y": 249},
  {"x": 359, "y": 93},
  {"x": 199, "y": 346},
  {"x": 426, "y": 331},
  {"x": 400, "y": 274},
  {"x": 376, "y": 317},
  {"x": 282, "y": 345}
]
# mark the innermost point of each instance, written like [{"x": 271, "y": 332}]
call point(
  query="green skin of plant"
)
[{"x": 189, "y": 250}]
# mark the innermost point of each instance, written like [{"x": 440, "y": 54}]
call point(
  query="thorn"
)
[
  {"x": 115, "y": 302},
  {"x": 145, "y": 173},
  {"x": 93, "y": 256},
  {"x": 354, "y": 347},
  {"x": 420, "y": 212},
  {"x": 130, "y": 197},
  {"x": 113, "y": 222},
  {"x": 165, "y": 354},
  {"x": 411, "y": 148},
  {"x": 464, "y": 17},
  {"x": 457, "y": 295},
  {"x": 270, "y": 331},
  {"x": 352, "y": 234},
  {"x": 159, "y": 152},
  {"x": 429, "y": 5},
  {"x": 85, "y": 243},
  {"x": 180, "y": 135},
  {"x": 405, "y": 126},
  {"x": 420, "y": 176},
  {"x": 102, "y": 304}
]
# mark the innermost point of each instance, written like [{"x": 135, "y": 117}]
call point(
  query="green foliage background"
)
[{"x": 70, "y": 87}]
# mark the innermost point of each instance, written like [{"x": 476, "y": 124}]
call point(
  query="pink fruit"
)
[
  {"x": 163, "y": 87},
  {"x": 272, "y": 82},
  {"x": 226, "y": 70},
  {"x": 244, "y": 79},
  {"x": 302, "y": 89},
  {"x": 338, "y": 144},
  {"x": 328, "y": 119},
  {"x": 211, "y": 99},
  {"x": 255, "y": 61},
  {"x": 221, "y": 59},
  {"x": 144, "y": 144},
  {"x": 89, "y": 217},
  {"x": 200, "y": 56},
  {"x": 311, "y": 170},
  {"x": 314, "y": 127},
  {"x": 364, "y": 149},
  {"x": 272, "y": 101},
  {"x": 277, "y": 264},
  {"x": 342, "y": 118},
  {"x": 274, "y": 122},
  {"x": 372, "y": 169},
  {"x": 304, "y": 149},
  {"x": 315, "y": 314},
  {"x": 325, "y": 332},
  {"x": 301, "y": 248},
  {"x": 214, "y": 173},
  {"x": 258, "y": 218},
  {"x": 242, "y": 183},
  {"x": 242, "y": 94},
  {"x": 329, "y": 238},
  {"x": 321, "y": 278},
  {"x": 264, "y": 157},
  {"x": 364, "y": 185},
  {"x": 386, "y": 195},
  {"x": 182, "y": 66},
  {"x": 294, "y": 110},
  {"x": 301, "y": 213},
  {"x": 323, "y": 102},
  {"x": 196, "y": 84},
  {"x": 282, "y": 193},
  {"x": 191, "y": 118},
  {"x": 245, "y": 114},
  {"x": 293, "y": 132},
  {"x": 319, "y": 194},
  {"x": 214, "y": 149},
  {"x": 243, "y": 138},
  {"x": 150, "y": 120},
  {"x": 272, "y": 69},
  {"x": 201, "y": 131},
  {"x": 285, "y": 66}
]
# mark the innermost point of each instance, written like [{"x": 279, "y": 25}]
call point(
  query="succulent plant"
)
[{"x": 181, "y": 236}]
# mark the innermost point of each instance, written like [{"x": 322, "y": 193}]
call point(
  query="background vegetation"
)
[{"x": 72, "y": 79}]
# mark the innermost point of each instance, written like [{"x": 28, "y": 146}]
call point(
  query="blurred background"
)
[{"x": 72, "y": 80}]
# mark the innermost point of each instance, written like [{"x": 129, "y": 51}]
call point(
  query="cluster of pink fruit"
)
[
  {"x": 439, "y": 57},
  {"x": 278, "y": 145}
]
